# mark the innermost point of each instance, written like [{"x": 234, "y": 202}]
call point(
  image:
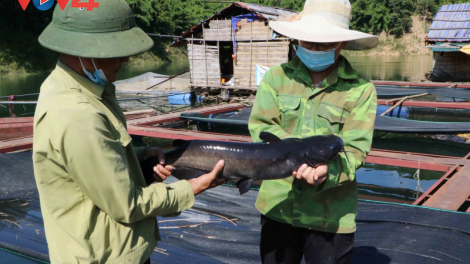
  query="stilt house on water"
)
[
  {"x": 229, "y": 49},
  {"x": 448, "y": 34}
]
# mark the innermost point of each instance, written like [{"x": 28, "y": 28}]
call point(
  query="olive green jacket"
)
[
  {"x": 94, "y": 201},
  {"x": 288, "y": 105}
]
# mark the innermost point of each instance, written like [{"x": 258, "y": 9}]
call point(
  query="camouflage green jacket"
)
[{"x": 288, "y": 105}]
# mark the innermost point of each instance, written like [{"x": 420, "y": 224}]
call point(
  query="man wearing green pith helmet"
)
[
  {"x": 94, "y": 199},
  {"x": 313, "y": 214}
]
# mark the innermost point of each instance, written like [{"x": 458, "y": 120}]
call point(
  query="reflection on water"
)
[
  {"x": 392, "y": 184},
  {"x": 392, "y": 68},
  {"x": 30, "y": 84}
]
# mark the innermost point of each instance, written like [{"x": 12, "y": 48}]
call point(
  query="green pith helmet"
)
[{"x": 108, "y": 31}]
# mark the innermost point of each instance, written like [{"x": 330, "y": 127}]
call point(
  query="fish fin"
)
[
  {"x": 182, "y": 173},
  {"x": 178, "y": 142},
  {"x": 268, "y": 137},
  {"x": 244, "y": 185}
]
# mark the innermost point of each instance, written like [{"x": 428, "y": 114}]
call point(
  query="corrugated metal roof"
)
[
  {"x": 269, "y": 12},
  {"x": 266, "y": 12},
  {"x": 451, "y": 23}
]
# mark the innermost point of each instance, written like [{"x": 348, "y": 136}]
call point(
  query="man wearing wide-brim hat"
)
[
  {"x": 96, "y": 205},
  {"x": 313, "y": 214}
]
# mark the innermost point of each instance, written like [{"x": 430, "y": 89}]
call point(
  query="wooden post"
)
[
  {"x": 205, "y": 59},
  {"x": 251, "y": 51},
  {"x": 267, "y": 48},
  {"x": 205, "y": 53},
  {"x": 192, "y": 59},
  {"x": 203, "y": 33},
  {"x": 218, "y": 53},
  {"x": 232, "y": 30}
]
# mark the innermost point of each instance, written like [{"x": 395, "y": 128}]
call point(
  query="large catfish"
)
[{"x": 246, "y": 162}]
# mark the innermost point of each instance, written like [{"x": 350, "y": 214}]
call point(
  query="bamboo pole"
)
[
  {"x": 400, "y": 102},
  {"x": 406, "y": 97}
]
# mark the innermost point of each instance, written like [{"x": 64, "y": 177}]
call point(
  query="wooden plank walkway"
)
[
  {"x": 16, "y": 144},
  {"x": 451, "y": 191},
  {"x": 453, "y": 194},
  {"x": 175, "y": 116},
  {"x": 170, "y": 133},
  {"x": 135, "y": 120}
]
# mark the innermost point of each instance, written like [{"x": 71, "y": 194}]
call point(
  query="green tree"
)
[
  {"x": 424, "y": 7},
  {"x": 380, "y": 20}
]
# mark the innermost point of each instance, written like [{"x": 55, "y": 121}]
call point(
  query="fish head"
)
[{"x": 321, "y": 149}]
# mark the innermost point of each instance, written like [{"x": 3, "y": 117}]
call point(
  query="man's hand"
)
[
  {"x": 313, "y": 176},
  {"x": 208, "y": 181},
  {"x": 161, "y": 173}
]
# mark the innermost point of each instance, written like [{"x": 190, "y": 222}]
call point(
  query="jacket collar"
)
[
  {"x": 95, "y": 89},
  {"x": 344, "y": 71}
]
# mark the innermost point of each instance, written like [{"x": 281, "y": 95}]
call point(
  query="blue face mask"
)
[
  {"x": 98, "y": 78},
  {"x": 316, "y": 61}
]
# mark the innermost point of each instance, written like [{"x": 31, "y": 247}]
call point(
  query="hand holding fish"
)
[
  {"x": 209, "y": 180},
  {"x": 313, "y": 176},
  {"x": 161, "y": 173}
]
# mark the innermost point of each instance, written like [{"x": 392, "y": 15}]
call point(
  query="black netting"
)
[
  {"x": 17, "y": 176},
  {"x": 399, "y": 92},
  {"x": 383, "y": 92},
  {"x": 392, "y": 124}
]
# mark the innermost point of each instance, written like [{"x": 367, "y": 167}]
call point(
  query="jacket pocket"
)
[
  {"x": 331, "y": 118},
  {"x": 290, "y": 107}
]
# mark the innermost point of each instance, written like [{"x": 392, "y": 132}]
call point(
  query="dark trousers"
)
[
  {"x": 283, "y": 243},
  {"x": 147, "y": 262}
]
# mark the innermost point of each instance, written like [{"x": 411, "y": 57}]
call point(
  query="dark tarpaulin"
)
[
  {"x": 387, "y": 233},
  {"x": 400, "y": 125},
  {"x": 390, "y": 92}
]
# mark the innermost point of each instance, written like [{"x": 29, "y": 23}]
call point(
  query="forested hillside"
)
[{"x": 20, "y": 51}]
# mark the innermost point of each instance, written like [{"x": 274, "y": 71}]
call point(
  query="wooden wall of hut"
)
[
  {"x": 256, "y": 30},
  {"x": 266, "y": 53},
  {"x": 451, "y": 67},
  {"x": 204, "y": 64},
  {"x": 220, "y": 30}
]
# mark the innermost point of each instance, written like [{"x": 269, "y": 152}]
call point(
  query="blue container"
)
[
  {"x": 182, "y": 98},
  {"x": 400, "y": 111}
]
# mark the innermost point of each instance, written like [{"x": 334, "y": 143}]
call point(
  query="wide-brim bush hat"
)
[
  {"x": 107, "y": 31},
  {"x": 324, "y": 21}
]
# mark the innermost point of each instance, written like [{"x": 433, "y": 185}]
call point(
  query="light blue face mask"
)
[
  {"x": 317, "y": 61},
  {"x": 98, "y": 78}
]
